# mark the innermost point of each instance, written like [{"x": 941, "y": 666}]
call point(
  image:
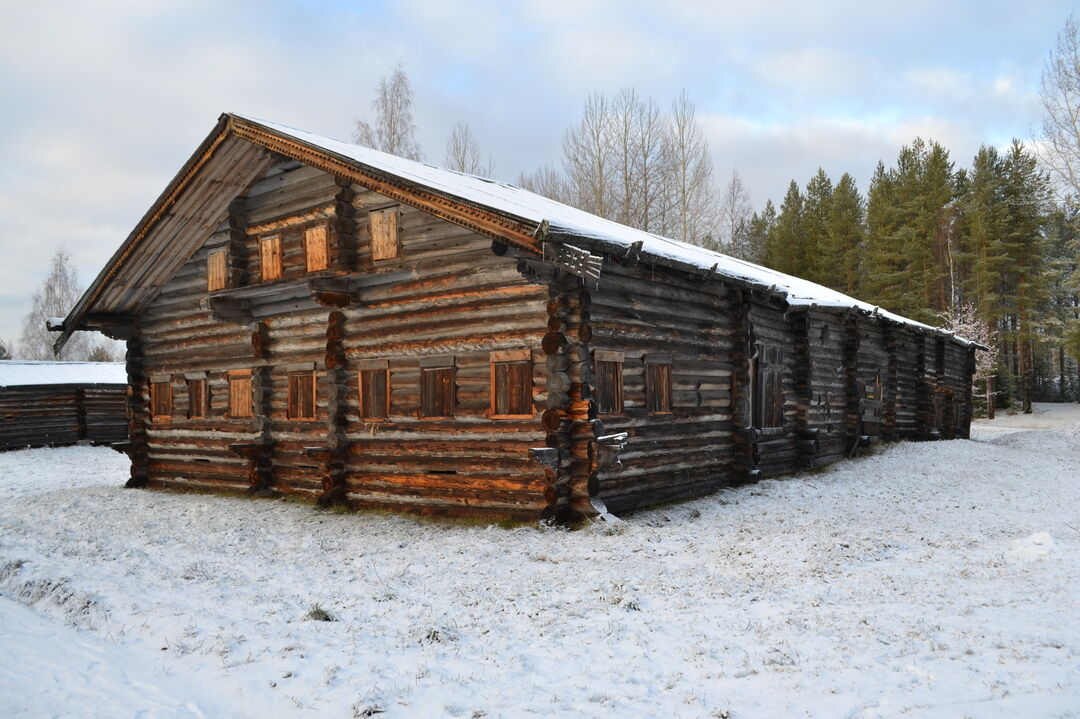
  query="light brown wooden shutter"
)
[
  {"x": 240, "y": 404},
  {"x": 374, "y": 393},
  {"x": 317, "y": 248},
  {"x": 270, "y": 257},
  {"x": 384, "y": 233},
  {"x": 215, "y": 270}
]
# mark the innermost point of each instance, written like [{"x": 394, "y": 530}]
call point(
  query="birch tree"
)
[
  {"x": 589, "y": 159},
  {"x": 392, "y": 129},
  {"x": 463, "y": 153},
  {"x": 1059, "y": 146},
  {"x": 735, "y": 211},
  {"x": 54, "y": 298},
  {"x": 691, "y": 182}
]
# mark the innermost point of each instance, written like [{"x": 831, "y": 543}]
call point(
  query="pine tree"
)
[
  {"x": 846, "y": 235},
  {"x": 751, "y": 241},
  {"x": 784, "y": 249},
  {"x": 1026, "y": 196},
  {"x": 815, "y": 226}
]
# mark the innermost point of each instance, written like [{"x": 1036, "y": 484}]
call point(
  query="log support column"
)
[
  {"x": 137, "y": 447},
  {"x": 891, "y": 382},
  {"x": 337, "y": 443},
  {"x": 571, "y": 416},
  {"x": 742, "y": 350}
]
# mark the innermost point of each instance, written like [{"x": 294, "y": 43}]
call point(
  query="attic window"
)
[
  {"x": 270, "y": 257},
  {"x": 384, "y": 233},
  {"x": 317, "y": 248},
  {"x": 608, "y": 375},
  {"x": 161, "y": 401},
  {"x": 658, "y": 385},
  {"x": 511, "y": 384},
  {"x": 215, "y": 270}
]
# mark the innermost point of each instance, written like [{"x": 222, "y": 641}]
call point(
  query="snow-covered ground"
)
[{"x": 927, "y": 580}]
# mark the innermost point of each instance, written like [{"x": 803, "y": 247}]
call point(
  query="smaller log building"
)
[
  {"x": 311, "y": 317},
  {"x": 47, "y": 404}
]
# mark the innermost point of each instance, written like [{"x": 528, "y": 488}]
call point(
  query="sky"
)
[{"x": 103, "y": 102}]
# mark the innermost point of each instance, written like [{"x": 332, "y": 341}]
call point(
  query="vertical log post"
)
[
  {"x": 800, "y": 323},
  {"x": 891, "y": 388},
  {"x": 337, "y": 443},
  {"x": 261, "y": 471},
  {"x": 571, "y": 415},
  {"x": 137, "y": 445},
  {"x": 80, "y": 413},
  {"x": 237, "y": 246},
  {"x": 922, "y": 392},
  {"x": 344, "y": 252},
  {"x": 851, "y": 380},
  {"x": 742, "y": 349}
]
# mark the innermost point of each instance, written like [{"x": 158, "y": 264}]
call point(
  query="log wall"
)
[
  {"x": 54, "y": 415},
  {"x": 447, "y": 295}
]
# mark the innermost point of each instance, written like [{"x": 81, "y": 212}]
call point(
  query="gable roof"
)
[
  {"x": 495, "y": 208},
  {"x": 21, "y": 373}
]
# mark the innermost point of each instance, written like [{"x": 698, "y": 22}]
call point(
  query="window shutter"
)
[
  {"x": 161, "y": 401},
  {"x": 196, "y": 398},
  {"x": 317, "y": 248},
  {"x": 215, "y": 270},
  {"x": 270, "y": 257},
  {"x": 240, "y": 404},
  {"x": 609, "y": 386},
  {"x": 512, "y": 388},
  {"x": 301, "y": 395},
  {"x": 384, "y": 233},
  {"x": 436, "y": 391},
  {"x": 658, "y": 386},
  {"x": 374, "y": 393}
]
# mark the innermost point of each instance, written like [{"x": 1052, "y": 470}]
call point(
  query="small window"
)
[
  {"x": 384, "y": 233},
  {"x": 317, "y": 248},
  {"x": 240, "y": 404},
  {"x": 767, "y": 388},
  {"x": 437, "y": 391},
  {"x": 658, "y": 385},
  {"x": 270, "y": 257},
  {"x": 215, "y": 270},
  {"x": 511, "y": 384},
  {"x": 301, "y": 395},
  {"x": 608, "y": 380},
  {"x": 197, "y": 396},
  {"x": 374, "y": 390},
  {"x": 160, "y": 401}
]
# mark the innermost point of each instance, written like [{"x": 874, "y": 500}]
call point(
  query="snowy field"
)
[{"x": 927, "y": 580}]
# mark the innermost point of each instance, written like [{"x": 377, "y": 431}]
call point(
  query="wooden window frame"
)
[
  {"x": 236, "y": 375},
  {"x": 274, "y": 242},
  {"x": 293, "y": 405},
  {"x": 509, "y": 357},
  {"x": 157, "y": 401},
  {"x": 372, "y": 366},
  {"x": 616, "y": 360},
  {"x": 392, "y": 227},
  {"x": 428, "y": 367},
  {"x": 201, "y": 409},
  {"x": 667, "y": 390},
  {"x": 211, "y": 267},
  {"x": 321, "y": 231}
]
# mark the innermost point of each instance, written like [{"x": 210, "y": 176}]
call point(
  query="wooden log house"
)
[
  {"x": 49, "y": 404},
  {"x": 311, "y": 317}
]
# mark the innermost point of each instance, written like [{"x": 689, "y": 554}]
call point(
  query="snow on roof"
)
[
  {"x": 17, "y": 373},
  {"x": 508, "y": 199}
]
